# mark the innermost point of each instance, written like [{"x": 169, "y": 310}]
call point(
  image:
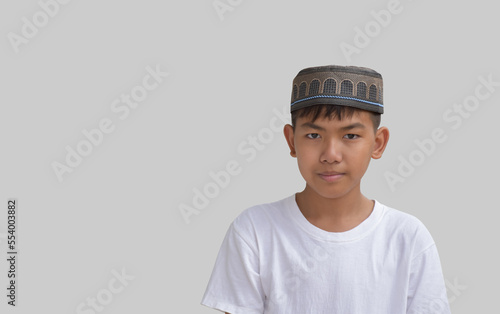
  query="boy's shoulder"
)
[
  {"x": 262, "y": 219},
  {"x": 407, "y": 224},
  {"x": 259, "y": 214},
  {"x": 402, "y": 218}
]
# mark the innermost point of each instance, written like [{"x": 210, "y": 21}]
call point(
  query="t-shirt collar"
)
[{"x": 356, "y": 233}]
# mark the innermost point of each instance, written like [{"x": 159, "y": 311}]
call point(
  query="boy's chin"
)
[{"x": 331, "y": 193}]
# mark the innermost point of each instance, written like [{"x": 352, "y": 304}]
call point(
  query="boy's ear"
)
[
  {"x": 381, "y": 139},
  {"x": 288, "y": 131}
]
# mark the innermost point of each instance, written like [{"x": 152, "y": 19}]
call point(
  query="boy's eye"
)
[
  {"x": 351, "y": 136},
  {"x": 313, "y": 135}
]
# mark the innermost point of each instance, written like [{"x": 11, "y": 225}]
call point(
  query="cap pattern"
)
[{"x": 338, "y": 85}]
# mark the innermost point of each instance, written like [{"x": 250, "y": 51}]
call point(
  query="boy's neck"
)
[{"x": 334, "y": 214}]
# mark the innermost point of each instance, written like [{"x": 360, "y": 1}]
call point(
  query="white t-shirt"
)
[{"x": 274, "y": 261}]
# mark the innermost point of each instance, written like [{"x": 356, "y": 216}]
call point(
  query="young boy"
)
[{"x": 329, "y": 249}]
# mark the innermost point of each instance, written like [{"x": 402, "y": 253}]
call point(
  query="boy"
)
[{"x": 329, "y": 249}]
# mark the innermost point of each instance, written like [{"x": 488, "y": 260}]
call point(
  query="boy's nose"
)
[{"x": 331, "y": 152}]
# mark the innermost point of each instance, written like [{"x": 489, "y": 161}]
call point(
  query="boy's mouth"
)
[{"x": 331, "y": 176}]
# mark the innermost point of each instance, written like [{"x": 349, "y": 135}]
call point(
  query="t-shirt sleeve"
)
[
  {"x": 427, "y": 291},
  {"x": 235, "y": 285}
]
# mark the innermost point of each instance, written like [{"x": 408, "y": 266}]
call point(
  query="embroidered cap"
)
[{"x": 338, "y": 85}]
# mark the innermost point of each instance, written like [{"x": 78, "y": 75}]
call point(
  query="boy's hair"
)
[{"x": 332, "y": 111}]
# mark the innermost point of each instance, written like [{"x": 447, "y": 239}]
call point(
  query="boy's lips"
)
[{"x": 331, "y": 176}]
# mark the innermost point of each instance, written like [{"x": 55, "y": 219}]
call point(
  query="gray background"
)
[{"x": 119, "y": 209}]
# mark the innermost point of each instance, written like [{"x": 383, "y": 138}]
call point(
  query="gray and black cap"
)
[{"x": 338, "y": 85}]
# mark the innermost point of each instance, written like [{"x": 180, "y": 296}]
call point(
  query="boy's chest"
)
[{"x": 296, "y": 268}]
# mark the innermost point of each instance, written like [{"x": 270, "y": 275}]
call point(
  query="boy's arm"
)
[
  {"x": 235, "y": 283},
  {"x": 427, "y": 291}
]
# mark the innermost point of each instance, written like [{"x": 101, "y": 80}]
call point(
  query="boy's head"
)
[{"x": 335, "y": 126}]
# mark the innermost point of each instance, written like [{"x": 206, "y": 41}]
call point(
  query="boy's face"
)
[{"x": 333, "y": 155}]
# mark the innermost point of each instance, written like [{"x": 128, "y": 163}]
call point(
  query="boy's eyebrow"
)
[
  {"x": 312, "y": 126},
  {"x": 344, "y": 128},
  {"x": 353, "y": 126}
]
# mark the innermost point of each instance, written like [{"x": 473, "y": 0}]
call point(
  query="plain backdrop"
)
[{"x": 229, "y": 79}]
